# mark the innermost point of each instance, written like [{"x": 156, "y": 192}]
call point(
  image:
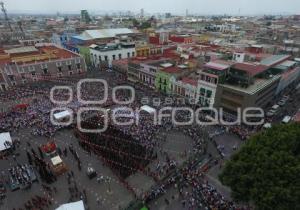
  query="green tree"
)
[{"x": 266, "y": 171}]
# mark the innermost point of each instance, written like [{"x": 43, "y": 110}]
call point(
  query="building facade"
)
[
  {"x": 42, "y": 62},
  {"x": 104, "y": 55}
]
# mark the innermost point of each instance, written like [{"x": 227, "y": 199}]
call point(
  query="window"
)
[
  {"x": 202, "y": 91},
  {"x": 70, "y": 72},
  {"x": 59, "y": 69},
  {"x": 69, "y": 67},
  {"x": 114, "y": 57},
  {"x": 31, "y": 68},
  {"x": 78, "y": 66},
  {"x": 100, "y": 58},
  {"x": 23, "y": 76},
  {"x": 106, "y": 58},
  {"x": 33, "y": 73},
  {"x": 152, "y": 70},
  {"x": 208, "y": 93},
  {"x": 77, "y": 60},
  {"x": 44, "y": 66},
  {"x": 11, "y": 77},
  {"x": 120, "y": 56},
  {"x": 128, "y": 55},
  {"x": 45, "y": 71},
  {"x": 21, "y": 70},
  {"x": 8, "y": 71}
]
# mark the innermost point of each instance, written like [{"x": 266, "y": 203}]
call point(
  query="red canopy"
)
[
  {"x": 49, "y": 147},
  {"x": 21, "y": 106}
]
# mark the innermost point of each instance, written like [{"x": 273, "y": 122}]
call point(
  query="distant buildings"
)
[{"x": 85, "y": 17}]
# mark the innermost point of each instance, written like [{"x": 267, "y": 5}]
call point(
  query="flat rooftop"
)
[
  {"x": 274, "y": 60},
  {"x": 258, "y": 85},
  {"x": 41, "y": 53},
  {"x": 251, "y": 68}
]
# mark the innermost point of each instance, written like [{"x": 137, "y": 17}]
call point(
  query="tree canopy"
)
[{"x": 266, "y": 171}]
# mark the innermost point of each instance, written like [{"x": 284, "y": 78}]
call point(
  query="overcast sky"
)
[{"x": 152, "y": 6}]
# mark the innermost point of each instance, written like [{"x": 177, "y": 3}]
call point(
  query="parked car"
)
[
  {"x": 282, "y": 102},
  {"x": 274, "y": 110}
]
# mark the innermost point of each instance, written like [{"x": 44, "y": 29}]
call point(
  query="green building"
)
[
  {"x": 85, "y": 52},
  {"x": 163, "y": 79}
]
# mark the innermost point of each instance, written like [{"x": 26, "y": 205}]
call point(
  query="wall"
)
[
  {"x": 124, "y": 54},
  {"x": 21, "y": 74}
]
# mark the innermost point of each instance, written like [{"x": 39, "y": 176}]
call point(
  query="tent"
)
[
  {"x": 148, "y": 109},
  {"x": 21, "y": 106},
  {"x": 72, "y": 206},
  {"x": 62, "y": 115},
  {"x": 4, "y": 138},
  {"x": 267, "y": 125},
  {"x": 123, "y": 111},
  {"x": 50, "y": 147}
]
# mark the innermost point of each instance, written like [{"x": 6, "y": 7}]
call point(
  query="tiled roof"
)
[
  {"x": 189, "y": 81},
  {"x": 43, "y": 53},
  {"x": 250, "y": 68},
  {"x": 172, "y": 70},
  {"x": 217, "y": 66}
]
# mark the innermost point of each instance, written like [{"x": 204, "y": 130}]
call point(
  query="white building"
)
[
  {"x": 105, "y": 54},
  {"x": 186, "y": 87},
  {"x": 147, "y": 74},
  {"x": 206, "y": 89}
]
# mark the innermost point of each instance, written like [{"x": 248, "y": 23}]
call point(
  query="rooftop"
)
[
  {"x": 39, "y": 53},
  {"x": 251, "y": 68},
  {"x": 190, "y": 81},
  {"x": 172, "y": 70},
  {"x": 258, "y": 85},
  {"x": 104, "y": 33},
  {"x": 21, "y": 50},
  {"x": 110, "y": 47},
  {"x": 221, "y": 66},
  {"x": 274, "y": 60}
]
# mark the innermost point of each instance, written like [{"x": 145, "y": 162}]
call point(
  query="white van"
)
[{"x": 286, "y": 119}]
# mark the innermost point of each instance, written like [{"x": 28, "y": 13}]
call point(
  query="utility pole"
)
[{"x": 5, "y": 15}]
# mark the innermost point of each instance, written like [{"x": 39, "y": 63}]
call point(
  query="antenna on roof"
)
[{"x": 5, "y": 15}]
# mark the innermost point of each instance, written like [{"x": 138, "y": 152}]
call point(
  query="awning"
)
[
  {"x": 5, "y": 141},
  {"x": 148, "y": 109},
  {"x": 267, "y": 125},
  {"x": 49, "y": 147},
  {"x": 72, "y": 206},
  {"x": 62, "y": 115},
  {"x": 21, "y": 106}
]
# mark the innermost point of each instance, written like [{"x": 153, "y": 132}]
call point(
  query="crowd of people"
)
[
  {"x": 137, "y": 143},
  {"x": 21, "y": 176},
  {"x": 36, "y": 202}
]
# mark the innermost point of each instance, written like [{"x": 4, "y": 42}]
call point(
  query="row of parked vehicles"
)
[{"x": 276, "y": 109}]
